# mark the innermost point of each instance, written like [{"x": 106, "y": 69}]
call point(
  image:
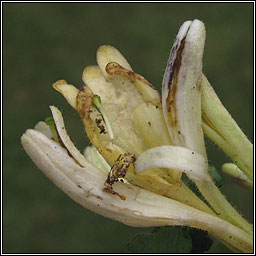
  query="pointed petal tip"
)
[
  {"x": 58, "y": 82},
  {"x": 23, "y": 138}
]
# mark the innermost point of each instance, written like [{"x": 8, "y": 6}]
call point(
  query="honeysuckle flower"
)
[
  {"x": 141, "y": 145},
  {"x": 181, "y": 101}
]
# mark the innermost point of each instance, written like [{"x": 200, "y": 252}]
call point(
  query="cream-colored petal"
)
[
  {"x": 181, "y": 97},
  {"x": 175, "y": 158},
  {"x": 148, "y": 121},
  {"x": 44, "y": 128},
  {"x": 146, "y": 89},
  {"x": 107, "y": 54},
  {"x": 119, "y": 97},
  {"x": 67, "y": 90},
  {"x": 94, "y": 157},
  {"x": 141, "y": 208},
  {"x": 95, "y": 80}
]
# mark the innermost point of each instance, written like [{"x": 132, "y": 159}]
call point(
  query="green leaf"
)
[
  {"x": 171, "y": 240},
  {"x": 162, "y": 240},
  {"x": 201, "y": 241}
]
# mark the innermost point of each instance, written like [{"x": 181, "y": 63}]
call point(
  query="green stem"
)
[
  {"x": 220, "y": 204},
  {"x": 224, "y": 131}
]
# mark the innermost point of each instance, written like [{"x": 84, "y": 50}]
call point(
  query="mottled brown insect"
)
[{"x": 118, "y": 170}]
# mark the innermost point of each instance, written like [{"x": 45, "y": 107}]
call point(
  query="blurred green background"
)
[{"x": 44, "y": 42}]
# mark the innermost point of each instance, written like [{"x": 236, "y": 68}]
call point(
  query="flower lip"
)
[
  {"x": 181, "y": 95},
  {"x": 175, "y": 158}
]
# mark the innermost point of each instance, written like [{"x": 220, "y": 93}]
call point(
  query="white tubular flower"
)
[
  {"x": 182, "y": 85},
  {"x": 132, "y": 173},
  {"x": 83, "y": 182}
]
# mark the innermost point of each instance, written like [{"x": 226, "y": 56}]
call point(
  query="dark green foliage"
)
[
  {"x": 201, "y": 242},
  {"x": 162, "y": 240},
  {"x": 170, "y": 240}
]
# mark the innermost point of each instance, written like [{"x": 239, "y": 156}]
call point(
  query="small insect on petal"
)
[{"x": 119, "y": 170}]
